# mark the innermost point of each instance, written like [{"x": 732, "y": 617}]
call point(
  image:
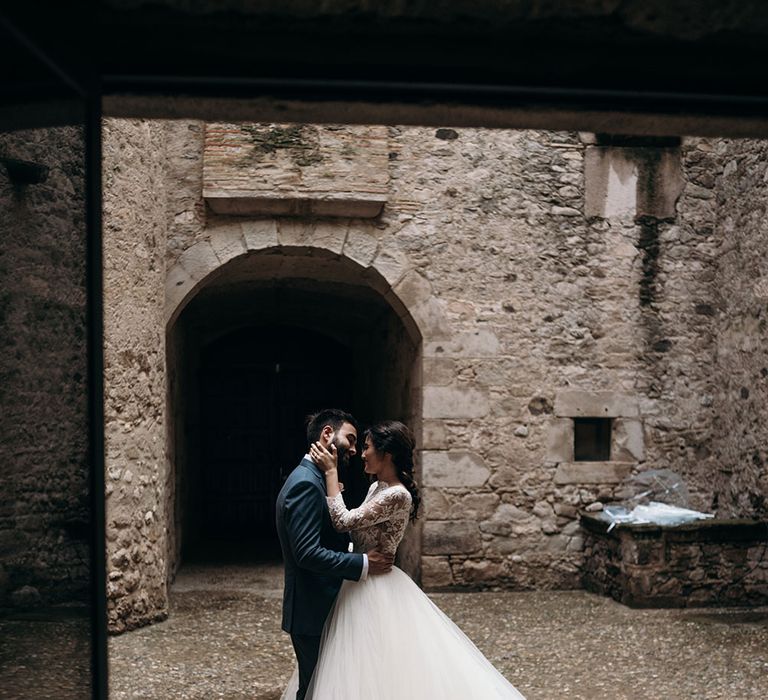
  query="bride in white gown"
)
[{"x": 384, "y": 638}]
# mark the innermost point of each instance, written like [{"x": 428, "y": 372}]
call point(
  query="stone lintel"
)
[
  {"x": 596, "y": 404},
  {"x": 356, "y": 207},
  {"x": 592, "y": 472}
]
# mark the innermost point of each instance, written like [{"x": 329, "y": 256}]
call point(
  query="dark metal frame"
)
[{"x": 360, "y": 98}]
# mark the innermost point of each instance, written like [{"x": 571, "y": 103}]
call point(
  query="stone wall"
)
[
  {"x": 550, "y": 276},
  {"x": 713, "y": 562},
  {"x": 44, "y": 519},
  {"x": 740, "y": 405},
  {"x": 135, "y": 228}
]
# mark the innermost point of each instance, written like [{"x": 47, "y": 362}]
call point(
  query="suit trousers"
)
[{"x": 307, "y": 648}]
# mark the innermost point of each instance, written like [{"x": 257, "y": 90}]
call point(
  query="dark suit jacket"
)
[{"x": 315, "y": 555}]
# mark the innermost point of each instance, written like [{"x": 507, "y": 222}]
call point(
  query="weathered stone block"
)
[
  {"x": 260, "y": 234},
  {"x": 295, "y": 232},
  {"x": 479, "y": 343},
  {"x": 178, "y": 284},
  {"x": 451, "y": 537},
  {"x": 227, "y": 241},
  {"x": 592, "y": 472},
  {"x": 330, "y": 235},
  {"x": 617, "y": 182},
  {"x": 199, "y": 260},
  {"x": 436, "y": 572},
  {"x": 431, "y": 321},
  {"x": 610, "y": 183},
  {"x": 292, "y": 169},
  {"x": 412, "y": 289},
  {"x": 454, "y": 402},
  {"x": 483, "y": 571},
  {"x": 627, "y": 438},
  {"x": 434, "y": 435},
  {"x": 595, "y": 404},
  {"x": 509, "y": 519},
  {"x": 437, "y": 506},
  {"x": 559, "y": 440},
  {"x": 456, "y": 468},
  {"x": 392, "y": 264},
  {"x": 361, "y": 244},
  {"x": 438, "y": 371},
  {"x": 478, "y": 506}
]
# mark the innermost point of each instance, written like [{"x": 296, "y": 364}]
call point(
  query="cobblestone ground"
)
[{"x": 223, "y": 640}]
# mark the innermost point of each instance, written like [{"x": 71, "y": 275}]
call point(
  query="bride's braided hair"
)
[{"x": 394, "y": 437}]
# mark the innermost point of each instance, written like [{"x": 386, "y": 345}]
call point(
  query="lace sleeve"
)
[{"x": 378, "y": 509}]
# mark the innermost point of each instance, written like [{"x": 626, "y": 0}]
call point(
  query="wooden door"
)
[{"x": 257, "y": 386}]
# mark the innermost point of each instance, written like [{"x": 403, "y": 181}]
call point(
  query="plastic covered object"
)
[
  {"x": 655, "y": 485},
  {"x": 653, "y": 513},
  {"x": 656, "y": 496}
]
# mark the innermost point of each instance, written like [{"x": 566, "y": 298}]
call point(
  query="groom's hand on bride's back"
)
[{"x": 379, "y": 563}]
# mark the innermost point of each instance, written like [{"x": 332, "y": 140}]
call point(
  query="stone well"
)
[{"x": 705, "y": 563}]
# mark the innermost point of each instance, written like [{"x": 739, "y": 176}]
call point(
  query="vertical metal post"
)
[{"x": 95, "y": 345}]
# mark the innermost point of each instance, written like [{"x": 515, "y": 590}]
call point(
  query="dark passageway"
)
[
  {"x": 256, "y": 387},
  {"x": 248, "y": 359}
]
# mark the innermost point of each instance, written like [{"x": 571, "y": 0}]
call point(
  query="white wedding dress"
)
[{"x": 384, "y": 638}]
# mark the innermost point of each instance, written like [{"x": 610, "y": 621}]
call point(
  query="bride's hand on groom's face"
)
[{"x": 322, "y": 457}]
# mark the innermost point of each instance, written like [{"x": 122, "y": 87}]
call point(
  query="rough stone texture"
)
[
  {"x": 617, "y": 180},
  {"x": 454, "y": 469},
  {"x": 709, "y": 563},
  {"x": 449, "y": 402},
  {"x": 627, "y": 440},
  {"x": 603, "y": 404},
  {"x": 592, "y": 472},
  {"x": 296, "y": 169},
  {"x": 44, "y": 520},
  {"x": 451, "y": 537},
  {"x": 135, "y": 379},
  {"x": 528, "y": 313},
  {"x": 740, "y": 401}
]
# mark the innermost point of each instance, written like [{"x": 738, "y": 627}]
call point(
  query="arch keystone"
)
[
  {"x": 331, "y": 235},
  {"x": 295, "y": 233},
  {"x": 260, "y": 234}
]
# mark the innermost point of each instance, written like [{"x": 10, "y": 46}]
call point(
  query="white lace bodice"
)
[{"x": 379, "y": 522}]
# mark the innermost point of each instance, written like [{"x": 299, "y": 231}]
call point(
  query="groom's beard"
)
[{"x": 342, "y": 454}]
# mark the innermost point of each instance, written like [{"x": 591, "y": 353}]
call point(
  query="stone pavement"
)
[{"x": 223, "y": 640}]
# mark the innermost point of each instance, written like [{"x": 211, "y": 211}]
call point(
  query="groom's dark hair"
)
[{"x": 334, "y": 417}]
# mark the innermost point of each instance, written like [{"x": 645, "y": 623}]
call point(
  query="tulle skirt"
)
[{"x": 386, "y": 640}]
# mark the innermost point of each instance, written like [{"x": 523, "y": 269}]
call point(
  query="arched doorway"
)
[{"x": 249, "y": 357}]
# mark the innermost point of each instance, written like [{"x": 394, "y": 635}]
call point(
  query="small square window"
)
[{"x": 592, "y": 439}]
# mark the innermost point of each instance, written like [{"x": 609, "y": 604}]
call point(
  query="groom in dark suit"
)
[{"x": 316, "y": 557}]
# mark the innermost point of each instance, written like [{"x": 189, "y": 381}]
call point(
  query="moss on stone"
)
[{"x": 300, "y": 140}]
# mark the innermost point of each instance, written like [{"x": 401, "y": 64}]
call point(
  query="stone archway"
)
[{"x": 333, "y": 277}]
